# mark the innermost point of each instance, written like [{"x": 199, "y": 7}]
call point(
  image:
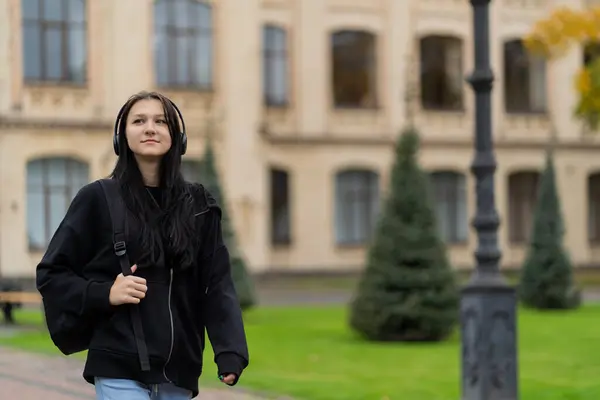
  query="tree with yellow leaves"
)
[{"x": 554, "y": 36}]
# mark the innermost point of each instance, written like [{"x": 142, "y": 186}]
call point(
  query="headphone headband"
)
[{"x": 181, "y": 124}]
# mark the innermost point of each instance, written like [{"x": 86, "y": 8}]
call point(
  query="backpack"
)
[{"x": 72, "y": 333}]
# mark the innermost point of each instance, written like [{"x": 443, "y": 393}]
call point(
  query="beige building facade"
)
[{"x": 304, "y": 99}]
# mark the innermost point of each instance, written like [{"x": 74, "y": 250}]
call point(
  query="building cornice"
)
[
  {"x": 53, "y": 124},
  {"x": 500, "y": 143},
  {"x": 308, "y": 141}
]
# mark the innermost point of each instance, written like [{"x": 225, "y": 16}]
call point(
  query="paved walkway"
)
[{"x": 27, "y": 376}]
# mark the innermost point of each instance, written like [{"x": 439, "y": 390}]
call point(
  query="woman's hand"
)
[
  {"x": 228, "y": 379},
  {"x": 128, "y": 289}
]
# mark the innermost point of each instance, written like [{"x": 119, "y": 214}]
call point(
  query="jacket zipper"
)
[
  {"x": 172, "y": 328},
  {"x": 171, "y": 315},
  {"x": 171, "y": 324}
]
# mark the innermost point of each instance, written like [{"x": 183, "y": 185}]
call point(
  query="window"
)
[
  {"x": 594, "y": 208},
  {"x": 591, "y": 51},
  {"x": 54, "y": 40},
  {"x": 524, "y": 80},
  {"x": 441, "y": 73},
  {"x": 51, "y": 185},
  {"x": 449, "y": 189},
  {"x": 356, "y": 206},
  {"x": 280, "y": 207},
  {"x": 183, "y": 47},
  {"x": 275, "y": 66},
  {"x": 354, "y": 69},
  {"x": 522, "y": 192},
  {"x": 191, "y": 170}
]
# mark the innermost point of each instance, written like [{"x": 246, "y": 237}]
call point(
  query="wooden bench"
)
[{"x": 10, "y": 300}]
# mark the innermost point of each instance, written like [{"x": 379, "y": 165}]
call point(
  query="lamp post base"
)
[{"x": 488, "y": 311}]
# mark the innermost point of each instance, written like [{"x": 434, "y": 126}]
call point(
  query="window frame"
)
[
  {"x": 348, "y": 57},
  {"x": 280, "y": 206},
  {"x": 356, "y": 188},
  {"x": 524, "y": 66},
  {"x": 270, "y": 58},
  {"x": 70, "y": 188},
  {"x": 65, "y": 25},
  {"x": 431, "y": 65},
  {"x": 169, "y": 31},
  {"x": 593, "y": 201},
  {"x": 451, "y": 186},
  {"x": 522, "y": 198}
]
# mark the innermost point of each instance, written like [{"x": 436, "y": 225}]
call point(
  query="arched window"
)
[
  {"x": 354, "y": 69},
  {"x": 356, "y": 205},
  {"x": 51, "y": 185},
  {"x": 441, "y": 73},
  {"x": 275, "y": 66},
  {"x": 524, "y": 80},
  {"x": 280, "y": 207},
  {"x": 54, "y": 40},
  {"x": 450, "y": 197},
  {"x": 522, "y": 198},
  {"x": 183, "y": 48},
  {"x": 594, "y": 208}
]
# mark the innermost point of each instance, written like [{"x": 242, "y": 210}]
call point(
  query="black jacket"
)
[{"x": 79, "y": 268}]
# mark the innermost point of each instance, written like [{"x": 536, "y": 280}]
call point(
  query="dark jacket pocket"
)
[{"x": 116, "y": 334}]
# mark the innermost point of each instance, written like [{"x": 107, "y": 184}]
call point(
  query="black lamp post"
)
[{"x": 488, "y": 304}]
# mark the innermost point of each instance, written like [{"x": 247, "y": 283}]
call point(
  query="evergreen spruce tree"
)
[
  {"x": 547, "y": 274},
  {"x": 243, "y": 281},
  {"x": 408, "y": 290}
]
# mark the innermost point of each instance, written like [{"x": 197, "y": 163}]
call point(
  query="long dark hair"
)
[{"x": 172, "y": 227}]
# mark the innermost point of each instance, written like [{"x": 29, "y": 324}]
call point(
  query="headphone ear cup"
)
[
  {"x": 183, "y": 143},
  {"x": 116, "y": 144}
]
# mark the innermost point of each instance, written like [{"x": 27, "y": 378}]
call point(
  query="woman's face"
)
[{"x": 146, "y": 130}]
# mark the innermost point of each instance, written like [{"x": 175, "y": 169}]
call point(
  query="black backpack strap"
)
[{"x": 116, "y": 207}]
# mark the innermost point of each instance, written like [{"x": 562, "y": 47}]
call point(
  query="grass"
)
[{"x": 308, "y": 353}]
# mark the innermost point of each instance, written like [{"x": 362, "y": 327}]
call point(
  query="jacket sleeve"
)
[
  {"x": 59, "y": 276},
  {"x": 223, "y": 314}
]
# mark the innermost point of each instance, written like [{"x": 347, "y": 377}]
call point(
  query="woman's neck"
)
[{"x": 149, "y": 171}]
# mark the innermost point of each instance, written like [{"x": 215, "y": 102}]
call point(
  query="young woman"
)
[{"x": 180, "y": 282}]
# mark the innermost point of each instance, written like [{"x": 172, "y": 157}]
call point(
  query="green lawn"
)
[{"x": 308, "y": 353}]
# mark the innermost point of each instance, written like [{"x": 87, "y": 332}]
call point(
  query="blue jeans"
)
[{"x": 125, "y": 389}]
